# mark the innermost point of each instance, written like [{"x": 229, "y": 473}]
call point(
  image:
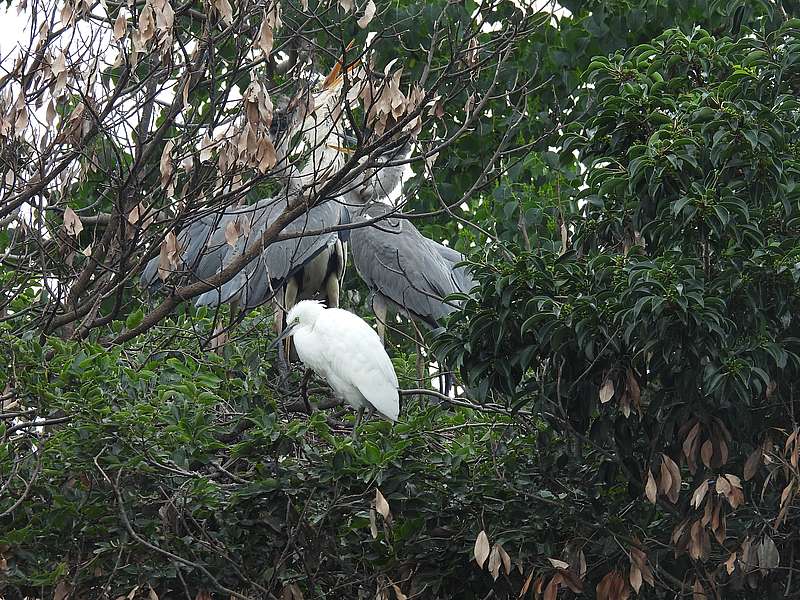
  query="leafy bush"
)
[{"x": 664, "y": 342}]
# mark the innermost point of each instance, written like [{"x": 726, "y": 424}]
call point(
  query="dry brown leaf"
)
[
  {"x": 120, "y": 26},
  {"x": 558, "y": 564},
  {"x": 140, "y": 216},
  {"x": 51, "y": 113},
  {"x": 707, "y": 453},
  {"x": 719, "y": 525},
  {"x": 688, "y": 442},
  {"x": 267, "y": 156},
  {"x": 698, "y": 593},
  {"x": 606, "y": 390},
  {"x": 225, "y": 10},
  {"x": 232, "y": 231},
  {"x": 723, "y": 486},
  {"x": 650, "y": 488},
  {"x": 151, "y": 594},
  {"x": 369, "y": 14},
  {"x": 699, "y": 542},
  {"x": 505, "y": 558},
  {"x": 291, "y": 591},
  {"x": 168, "y": 256},
  {"x": 789, "y": 441},
  {"x": 494, "y": 562},
  {"x": 720, "y": 457},
  {"x": 373, "y": 524},
  {"x": 665, "y": 481},
  {"x": 736, "y": 495},
  {"x": 165, "y": 15},
  {"x": 481, "y": 548},
  {"x": 639, "y": 558},
  {"x": 538, "y": 586},
  {"x": 699, "y": 494},
  {"x": 612, "y": 587},
  {"x": 635, "y": 577},
  {"x": 675, "y": 478},
  {"x": 62, "y": 590},
  {"x": 265, "y": 38},
  {"x": 165, "y": 164},
  {"x": 217, "y": 342},
  {"x": 525, "y": 585},
  {"x": 551, "y": 591},
  {"x": 72, "y": 222},
  {"x": 571, "y": 580},
  {"x": 752, "y": 464},
  {"x": 381, "y": 505},
  {"x": 398, "y": 594},
  {"x": 730, "y": 564},
  {"x": 347, "y": 5},
  {"x": 147, "y": 26},
  {"x": 22, "y": 120}
]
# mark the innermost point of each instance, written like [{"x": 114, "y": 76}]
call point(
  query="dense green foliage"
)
[{"x": 669, "y": 326}]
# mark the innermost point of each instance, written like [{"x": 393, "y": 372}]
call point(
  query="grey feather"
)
[
  {"x": 404, "y": 267},
  {"x": 261, "y": 278},
  {"x": 202, "y": 244}
]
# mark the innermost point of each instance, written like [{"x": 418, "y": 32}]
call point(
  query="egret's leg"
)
[
  {"x": 289, "y": 300},
  {"x": 304, "y": 389},
  {"x": 359, "y": 416}
]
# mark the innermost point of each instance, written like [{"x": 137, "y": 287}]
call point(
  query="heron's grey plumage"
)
[
  {"x": 403, "y": 268},
  {"x": 202, "y": 244},
  {"x": 264, "y": 276}
]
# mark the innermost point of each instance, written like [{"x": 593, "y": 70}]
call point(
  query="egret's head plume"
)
[{"x": 305, "y": 312}]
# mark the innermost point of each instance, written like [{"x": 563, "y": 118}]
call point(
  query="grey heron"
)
[{"x": 303, "y": 267}]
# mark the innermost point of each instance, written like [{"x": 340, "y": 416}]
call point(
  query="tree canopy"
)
[{"x": 623, "y": 180}]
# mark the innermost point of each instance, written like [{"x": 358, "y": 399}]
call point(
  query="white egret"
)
[{"x": 343, "y": 349}]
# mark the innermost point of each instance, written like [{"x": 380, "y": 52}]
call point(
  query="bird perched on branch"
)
[{"x": 344, "y": 350}]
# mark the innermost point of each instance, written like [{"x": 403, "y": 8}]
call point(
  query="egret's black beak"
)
[{"x": 286, "y": 333}]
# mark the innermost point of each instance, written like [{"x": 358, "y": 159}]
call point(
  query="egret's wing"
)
[
  {"x": 353, "y": 352},
  {"x": 395, "y": 259}
]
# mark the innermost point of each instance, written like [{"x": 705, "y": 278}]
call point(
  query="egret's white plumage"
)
[{"x": 346, "y": 351}]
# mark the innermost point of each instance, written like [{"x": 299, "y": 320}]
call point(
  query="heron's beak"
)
[
  {"x": 341, "y": 149},
  {"x": 334, "y": 78},
  {"x": 286, "y": 333}
]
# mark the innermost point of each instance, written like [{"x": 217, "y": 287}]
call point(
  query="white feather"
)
[{"x": 346, "y": 351}]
